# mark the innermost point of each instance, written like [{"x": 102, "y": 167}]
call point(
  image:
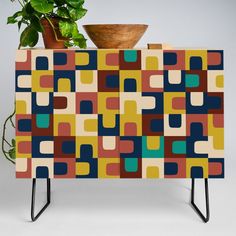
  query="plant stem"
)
[
  {"x": 13, "y": 125},
  {"x": 21, "y": 3},
  {"x": 6, "y": 142},
  {"x": 4, "y": 134}
]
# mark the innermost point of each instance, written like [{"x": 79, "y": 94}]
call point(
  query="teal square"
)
[
  {"x": 158, "y": 153},
  {"x": 131, "y": 164},
  {"x": 179, "y": 147},
  {"x": 42, "y": 121},
  {"x": 192, "y": 81},
  {"x": 130, "y": 55}
]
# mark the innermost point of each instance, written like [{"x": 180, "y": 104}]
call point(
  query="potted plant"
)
[{"x": 55, "y": 19}]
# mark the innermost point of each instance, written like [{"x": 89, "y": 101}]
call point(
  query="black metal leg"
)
[
  {"x": 33, "y": 217},
  {"x": 207, "y": 217}
]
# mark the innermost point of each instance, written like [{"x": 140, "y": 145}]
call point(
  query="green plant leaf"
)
[
  {"x": 81, "y": 42},
  {"x": 75, "y": 3},
  {"x": 13, "y": 19},
  {"x": 28, "y": 8},
  {"x": 29, "y": 37},
  {"x": 42, "y": 6},
  {"x": 35, "y": 23},
  {"x": 18, "y": 13},
  {"x": 60, "y": 2},
  {"x": 13, "y": 142},
  {"x": 68, "y": 44},
  {"x": 12, "y": 153},
  {"x": 63, "y": 13},
  {"x": 67, "y": 28},
  {"x": 77, "y": 14}
]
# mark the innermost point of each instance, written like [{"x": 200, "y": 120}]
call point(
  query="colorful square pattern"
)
[{"x": 119, "y": 114}]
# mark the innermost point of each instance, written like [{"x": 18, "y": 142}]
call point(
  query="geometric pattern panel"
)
[{"x": 112, "y": 113}]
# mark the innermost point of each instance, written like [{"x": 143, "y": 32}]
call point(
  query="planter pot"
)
[{"x": 52, "y": 37}]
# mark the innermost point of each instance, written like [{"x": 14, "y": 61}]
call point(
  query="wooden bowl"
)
[{"x": 115, "y": 35}]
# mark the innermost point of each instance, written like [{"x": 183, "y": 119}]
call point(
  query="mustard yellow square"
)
[
  {"x": 66, "y": 119},
  {"x": 152, "y": 172},
  {"x": 21, "y": 107},
  {"x": 171, "y": 101},
  {"x": 152, "y": 63},
  {"x": 103, "y": 55},
  {"x": 23, "y": 149},
  {"x": 103, "y": 100},
  {"x": 130, "y": 74},
  {"x": 103, "y": 167},
  {"x": 153, "y": 142},
  {"x": 64, "y": 85},
  {"x": 82, "y": 168},
  {"x": 90, "y": 125},
  {"x": 217, "y": 133},
  {"x": 131, "y": 118},
  {"x": 219, "y": 81},
  {"x": 36, "y": 83},
  {"x": 197, "y": 162},
  {"x": 196, "y": 53},
  {"x": 86, "y": 76},
  {"x": 81, "y": 59}
]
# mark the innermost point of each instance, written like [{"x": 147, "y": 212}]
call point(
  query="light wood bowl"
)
[{"x": 115, "y": 35}]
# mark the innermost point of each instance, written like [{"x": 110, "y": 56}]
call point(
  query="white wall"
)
[{"x": 182, "y": 23}]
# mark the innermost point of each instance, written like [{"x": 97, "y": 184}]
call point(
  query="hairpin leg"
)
[
  {"x": 207, "y": 217},
  {"x": 33, "y": 217}
]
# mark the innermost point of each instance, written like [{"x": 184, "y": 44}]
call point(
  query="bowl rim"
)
[{"x": 115, "y": 25}]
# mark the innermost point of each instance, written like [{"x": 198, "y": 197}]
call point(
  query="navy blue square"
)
[
  {"x": 60, "y": 58},
  {"x": 112, "y": 81},
  {"x": 68, "y": 147},
  {"x": 60, "y": 168},
  {"x": 42, "y": 172},
  {"x": 169, "y": 87},
  {"x": 93, "y": 168},
  {"x": 156, "y": 125},
  {"x": 130, "y": 85},
  {"x": 67, "y": 74},
  {"x": 86, "y": 107},
  {"x": 195, "y": 63},
  {"x": 196, "y": 172},
  {"x": 18, "y": 76},
  {"x": 108, "y": 131},
  {"x": 41, "y": 63},
  {"x": 86, "y": 151},
  {"x": 170, "y": 58},
  {"x": 36, "y": 153},
  {"x": 92, "y": 64},
  {"x": 196, "y": 129},
  {"x": 175, "y": 120},
  {"x": 24, "y": 125},
  {"x": 171, "y": 168},
  {"x": 214, "y": 102}
]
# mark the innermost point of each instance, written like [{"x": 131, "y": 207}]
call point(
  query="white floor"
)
[{"x": 115, "y": 207}]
